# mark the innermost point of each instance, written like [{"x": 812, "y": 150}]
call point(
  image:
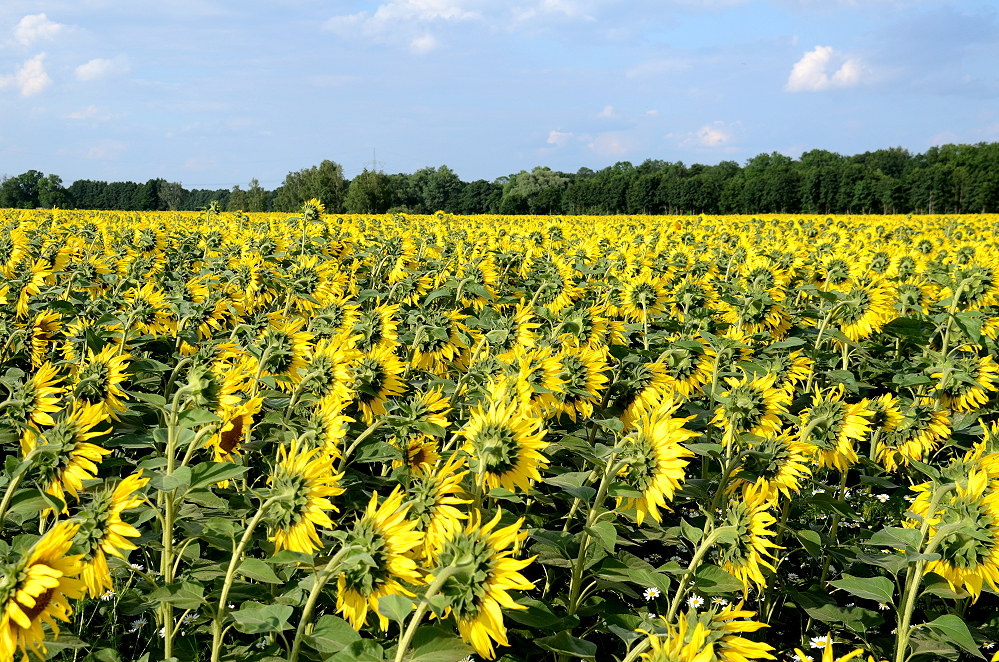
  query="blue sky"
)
[{"x": 212, "y": 94}]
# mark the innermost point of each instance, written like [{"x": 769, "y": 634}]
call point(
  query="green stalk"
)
[
  {"x": 12, "y": 487},
  {"x": 310, "y": 604},
  {"x": 417, "y": 617},
  {"x": 230, "y": 575},
  {"x": 950, "y": 318},
  {"x": 594, "y": 514},
  {"x": 361, "y": 437},
  {"x": 695, "y": 562},
  {"x": 914, "y": 575}
]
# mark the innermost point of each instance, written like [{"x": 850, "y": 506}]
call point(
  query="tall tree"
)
[
  {"x": 324, "y": 182},
  {"x": 369, "y": 193}
]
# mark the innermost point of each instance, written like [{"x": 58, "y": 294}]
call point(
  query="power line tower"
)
[{"x": 375, "y": 162}]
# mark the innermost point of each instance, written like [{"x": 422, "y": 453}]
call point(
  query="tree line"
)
[{"x": 943, "y": 180}]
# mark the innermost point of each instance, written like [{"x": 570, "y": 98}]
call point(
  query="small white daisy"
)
[
  {"x": 720, "y": 602},
  {"x": 136, "y": 566},
  {"x": 651, "y": 593},
  {"x": 695, "y": 602},
  {"x": 883, "y": 607},
  {"x": 882, "y": 497},
  {"x": 821, "y": 642},
  {"x": 107, "y": 595}
]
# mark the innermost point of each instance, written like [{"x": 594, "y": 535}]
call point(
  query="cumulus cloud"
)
[
  {"x": 35, "y": 27},
  {"x": 102, "y": 68},
  {"x": 716, "y": 134},
  {"x": 607, "y": 113},
  {"x": 558, "y": 138},
  {"x": 811, "y": 72},
  {"x": 423, "y": 44},
  {"x": 30, "y": 78}
]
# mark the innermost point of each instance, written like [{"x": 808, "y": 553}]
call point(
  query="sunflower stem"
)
[
  {"x": 826, "y": 558},
  {"x": 19, "y": 474},
  {"x": 310, "y": 604},
  {"x": 681, "y": 589},
  {"x": 950, "y": 318},
  {"x": 421, "y": 609},
  {"x": 361, "y": 437},
  {"x": 230, "y": 575},
  {"x": 914, "y": 575},
  {"x": 193, "y": 447},
  {"x": 575, "y": 582}
]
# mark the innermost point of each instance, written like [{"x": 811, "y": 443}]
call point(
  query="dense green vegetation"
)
[{"x": 946, "y": 179}]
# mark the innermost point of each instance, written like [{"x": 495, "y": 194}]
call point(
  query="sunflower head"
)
[
  {"x": 302, "y": 483},
  {"x": 482, "y": 570},
  {"x": 36, "y": 589},
  {"x": 312, "y": 210}
]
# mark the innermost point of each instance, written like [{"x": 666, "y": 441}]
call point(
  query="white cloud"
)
[
  {"x": 607, "y": 113},
  {"x": 811, "y": 72},
  {"x": 651, "y": 113},
  {"x": 558, "y": 138},
  {"x": 612, "y": 143},
  {"x": 30, "y": 78},
  {"x": 35, "y": 27},
  {"x": 424, "y": 44},
  {"x": 716, "y": 134},
  {"x": 101, "y": 68}
]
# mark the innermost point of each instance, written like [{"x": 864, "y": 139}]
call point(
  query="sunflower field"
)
[{"x": 437, "y": 438}]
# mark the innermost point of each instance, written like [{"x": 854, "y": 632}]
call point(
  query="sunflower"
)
[
  {"x": 330, "y": 371},
  {"x": 915, "y": 295},
  {"x": 688, "y": 365},
  {"x": 66, "y": 458},
  {"x": 975, "y": 286},
  {"x": 744, "y": 556},
  {"x": 437, "y": 343},
  {"x": 376, "y": 379},
  {"x": 148, "y": 311},
  {"x": 43, "y": 332},
  {"x": 40, "y": 396},
  {"x": 886, "y": 414},
  {"x": 302, "y": 480},
  {"x": 36, "y": 590},
  {"x": 336, "y": 318},
  {"x": 384, "y": 539},
  {"x": 970, "y": 555},
  {"x": 283, "y": 352},
  {"x": 922, "y": 427},
  {"x": 424, "y": 411},
  {"x": 29, "y": 278},
  {"x": 964, "y": 382},
  {"x": 779, "y": 462},
  {"x": 98, "y": 379},
  {"x": 432, "y": 496},
  {"x": 309, "y": 283},
  {"x": 709, "y": 636},
  {"x": 418, "y": 450},
  {"x": 583, "y": 375},
  {"x": 503, "y": 440},
  {"x": 595, "y": 330},
  {"x": 788, "y": 370},
  {"x": 640, "y": 389},
  {"x": 642, "y": 299},
  {"x": 330, "y": 424},
  {"x": 378, "y": 328},
  {"x": 520, "y": 332},
  {"x": 480, "y": 272},
  {"x": 833, "y": 425},
  {"x": 478, "y": 591},
  {"x": 656, "y": 460},
  {"x": 104, "y": 532},
  {"x": 751, "y": 405},
  {"x": 538, "y": 379},
  {"x": 863, "y": 310},
  {"x": 237, "y": 423},
  {"x": 757, "y": 311}
]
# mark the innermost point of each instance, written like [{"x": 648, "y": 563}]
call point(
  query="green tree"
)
[
  {"x": 256, "y": 197},
  {"x": 369, "y": 193},
  {"x": 21, "y": 192},
  {"x": 52, "y": 194},
  {"x": 324, "y": 182},
  {"x": 172, "y": 195},
  {"x": 237, "y": 200}
]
